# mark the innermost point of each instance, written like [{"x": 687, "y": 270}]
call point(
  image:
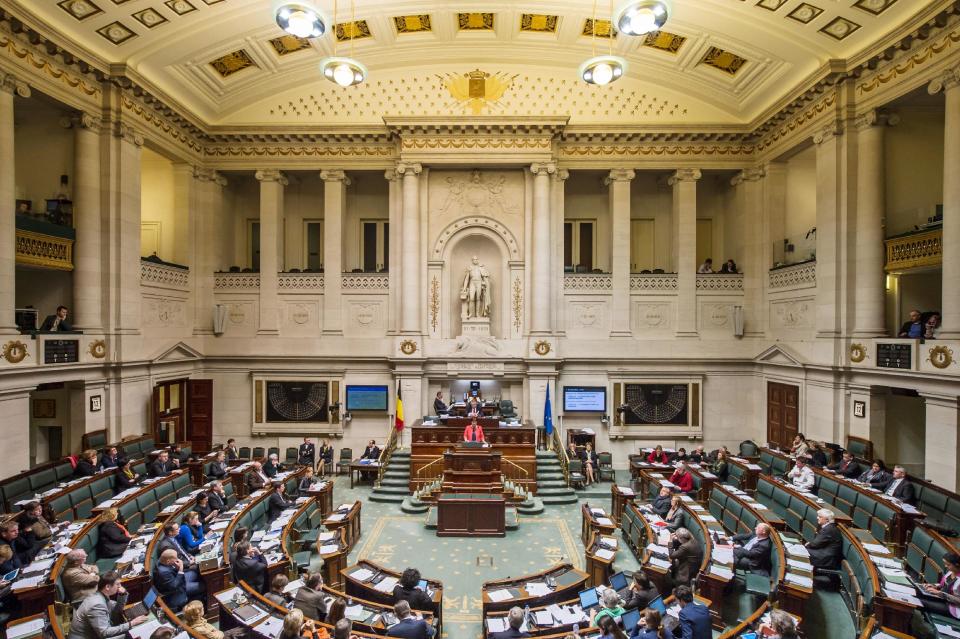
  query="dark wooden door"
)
[
  {"x": 200, "y": 414},
  {"x": 783, "y": 413}
]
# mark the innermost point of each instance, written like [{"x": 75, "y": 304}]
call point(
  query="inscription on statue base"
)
[{"x": 475, "y": 327}]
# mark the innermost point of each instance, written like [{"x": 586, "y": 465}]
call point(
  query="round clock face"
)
[
  {"x": 941, "y": 356},
  {"x": 15, "y": 352},
  {"x": 857, "y": 353},
  {"x": 296, "y": 402}
]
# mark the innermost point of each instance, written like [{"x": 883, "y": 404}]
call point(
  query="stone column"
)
[
  {"x": 869, "y": 287},
  {"x": 206, "y": 254},
  {"x": 15, "y": 408},
  {"x": 394, "y": 205},
  {"x": 557, "y": 212},
  {"x": 684, "y": 183},
  {"x": 619, "y": 182},
  {"x": 184, "y": 214},
  {"x": 87, "y": 212},
  {"x": 272, "y": 183},
  {"x": 942, "y": 451},
  {"x": 335, "y": 185},
  {"x": 949, "y": 83},
  {"x": 126, "y": 238},
  {"x": 541, "y": 247},
  {"x": 750, "y": 183},
  {"x": 8, "y": 228},
  {"x": 829, "y": 149},
  {"x": 412, "y": 298}
]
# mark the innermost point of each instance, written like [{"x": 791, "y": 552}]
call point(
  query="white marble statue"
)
[{"x": 475, "y": 291}]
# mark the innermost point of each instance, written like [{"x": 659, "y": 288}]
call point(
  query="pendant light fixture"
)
[
  {"x": 601, "y": 70},
  {"x": 299, "y": 18},
  {"x": 345, "y": 71},
  {"x": 640, "y": 17}
]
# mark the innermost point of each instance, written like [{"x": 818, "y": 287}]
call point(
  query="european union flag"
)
[{"x": 547, "y": 414}]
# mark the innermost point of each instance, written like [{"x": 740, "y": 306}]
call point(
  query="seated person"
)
[
  {"x": 79, "y": 579},
  {"x": 250, "y": 566},
  {"x": 86, "y": 464},
  {"x": 278, "y": 501},
  {"x": 473, "y": 432},
  {"x": 20, "y": 542},
  {"x": 642, "y": 592},
  {"x": 218, "y": 469},
  {"x": 171, "y": 541},
  {"x": 161, "y": 466},
  {"x": 515, "y": 619},
  {"x": 307, "y": 481},
  {"x": 694, "y": 618},
  {"x": 58, "y": 321},
  {"x": 178, "y": 456},
  {"x": 681, "y": 455},
  {"x": 913, "y": 327},
  {"x": 682, "y": 478},
  {"x": 170, "y": 578},
  {"x": 113, "y": 537},
  {"x": 273, "y": 466},
  {"x": 947, "y": 590},
  {"x": 610, "y": 629},
  {"x": 752, "y": 552},
  {"x": 931, "y": 327},
  {"x": 590, "y": 462},
  {"x": 33, "y": 522},
  {"x": 409, "y": 626},
  {"x": 657, "y": 456},
  {"x": 125, "y": 478},
  {"x": 310, "y": 597},
  {"x": 307, "y": 453},
  {"x": 876, "y": 475},
  {"x": 343, "y": 629},
  {"x": 277, "y": 584},
  {"x": 371, "y": 452},
  {"x": 217, "y": 498},
  {"x": 799, "y": 448},
  {"x": 782, "y": 626},
  {"x": 686, "y": 555},
  {"x": 648, "y": 627},
  {"x": 676, "y": 517},
  {"x": 195, "y": 620},
  {"x": 706, "y": 266},
  {"x": 899, "y": 487},
  {"x": 202, "y": 508},
  {"x": 698, "y": 455},
  {"x": 256, "y": 478},
  {"x": 233, "y": 453},
  {"x": 325, "y": 458},
  {"x": 826, "y": 548},
  {"x": 190, "y": 536},
  {"x": 729, "y": 267},
  {"x": 109, "y": 459},
  {"x": 848, "y": 467},
  {"x": 438, "y": 406},
  {"x": 99, "y": 616},
  {"x": 609, "y": 607},
  {"x": 407, "y": 590},
  {"x": 661, "y": 505},
  {"x": 296, "y": 627},
  {"x": 818, "y": 458},
  {"x": 720, "y": 467},
  {"x": 801, "y": 476}
]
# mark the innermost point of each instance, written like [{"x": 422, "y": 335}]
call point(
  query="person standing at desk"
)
[
  {"x": 473, "y": 432},
  {"x": 438, "y": 406}
]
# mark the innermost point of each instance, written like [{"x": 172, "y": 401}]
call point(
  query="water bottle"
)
[
  {"x": 576, "y": 630},
  {"x": 526, "y": 613}
]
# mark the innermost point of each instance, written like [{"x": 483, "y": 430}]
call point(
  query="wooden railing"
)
[
  {"x": 914, "y": 250},
  {"x": 426, "y": 479},
  {"x": 513, "y": 472},
  {"x": 387, "y": 452}
]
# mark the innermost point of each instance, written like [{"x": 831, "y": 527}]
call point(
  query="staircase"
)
[
  {"x": 551, "y": 487},
  {"x": 396, "y": 479}
]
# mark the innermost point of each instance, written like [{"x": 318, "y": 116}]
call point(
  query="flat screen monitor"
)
[
  {"x": 360, "y": 398},
  {"x": 588, "y": 598},
  {"x": 584, "y": 399}
]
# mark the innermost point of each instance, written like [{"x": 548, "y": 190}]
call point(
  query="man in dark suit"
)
[
  {"x": 661, "y": 504},
  {"x": 515, "y": 619},
  {"x": 161, "y": 466},
  {"x": 826, "y": 549},
  {"x": 848, "y": 467},
  {"x": 438, "y": 406},
  {"x": 217, "y": 498},
  {"x": 307, "y": 453},
  {"x": 250, "y": 566},
  {"x": 272, "y": 467},
  {"x": 21, "y": 544},
  {"x": 170, "y": 580},
  {"x": 686, "y": 555},
  {"x": 409, "y": 627},
  {"x": 371, "y": 451},
  {"x": 110, "y": 459},
  {"x": 278, "y": 501},
  {"x": 752, "y": 552},
  {"x": 256, "y": 479},
  {"x": 899, "y": 487},
  {"x": 58, "y": 321},
  {"x": 694, "y": 618},
  {"x": 233, "y": 453}
]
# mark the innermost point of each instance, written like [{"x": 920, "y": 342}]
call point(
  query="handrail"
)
[
  {"x": 517, "y": 466},
  {"x": 558, "y": 449},
  {"x": 386, "y": 454},
  {"x": 423, "y": 468}
]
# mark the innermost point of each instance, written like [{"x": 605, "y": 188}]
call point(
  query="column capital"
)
[
  {"x": 619, "y": 175},
  {"x": 752, "y": 174},
  {"x": 390, "y": 175},
  {"x": 128, "y": 134},
  {"x": 876, "y": 117},
  {"x": 949, "y": 79},
  {"x": 272, "y": 175},
  {"x": 684, "y": 175},
  {"x": 12, "y": 84},
  {"x": 829, "y": 131},
  {"x": 543, "y": 168},
  {"x": 561, "y": 175},
  {"x": 409, "y": 168},
  {"x": 201, "y": 174},
  {"x": 335, "y": 175},
  {"x": 82, "y": 120},
  {"x": 945, "y": 401}
]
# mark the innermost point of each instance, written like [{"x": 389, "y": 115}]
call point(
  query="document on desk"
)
[
  {"x": 387, "y": 584},
  {"x": 356, "y": 613},
  {"x": 658, "y": 550},
  {"x": 604, "y": 521},
  {"x": 609, "y": 541},
  {"x": 363, "y": 574},
  {"x": 293, "y": 586},
  {"x": 270, "y": 627},
  {"x": 659, "y": 563},
  {"x": 759, "y": 506},
  {"x": 144, "y": 630},
  {"x": 722, "y": 555},
  {"x": 886, "y": 562},
  {"x": 336, "y": 517},
  {"x": 28, "y": 582},
  {"x": 227, "y": 596},
  {"x": 943, "y": 629},
  {"x": 25, "y": 629},
  {"x": 220, "y": 525},
  {"x": 497, "y": 596},
  {"x": 901, "y": 596},
  {"x": 876, "y": 548},
  {"x": 799, "y": 565},
  {"x": 905, "y": 589},
  {"x": 625, "y": 490},
  {"x": 600, "y": 512},
  {"x": 544, "y": 618},
  {"x": 326, "y": 549},
  {"x": 605, "y": 554},
  {"x": 722, "y": 573},
  {"x": 697, "y": 508},
  {"x": 537, "y": 589},
  {"x": 797, "y": 550},
  {"x": 709, "y": 518},
  {"x": 799, "y": 580},
  {"x": 497, "y": 624}
]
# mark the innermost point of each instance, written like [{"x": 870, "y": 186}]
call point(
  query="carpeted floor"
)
[{"x": 397, "y": 540}]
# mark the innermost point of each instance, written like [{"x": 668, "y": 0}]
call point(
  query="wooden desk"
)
[
  {"x": 349, "y": 522},
  {"x": 749, "y": 471},
  {"x": 590, "y": 522},
  {"x": 599, "y": 568},
  {"x": 358, "y": 469},
  {"x": 569, "y": 581},
  {"x": 471, "y": 515},
  {"x": 367, "y": 589},
  {"x": 472, "y": 470},
  {"x": 620, "y": 496}
]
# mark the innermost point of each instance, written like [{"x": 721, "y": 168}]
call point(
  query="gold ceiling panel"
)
[
  {"x": 604, "y": 28},
  {"x": 80, "y": 9},
  {"x": 772, "y": 5},
  {"x": 150, "y": 18},
  {"x": 412, "y": 24},
  {"x": 538, "y": 23},
  {"x": 231, "y": 63},
  {"x": 356, "y": 30},
  {"x": 664, "y": 41},
  {"x": 805, "y": 13},
  {"x": 475, "y": 21},
  {"x": 180, "y": 7},
  {"x": 287, "y": 44},
  {"x": 839, "y": 28},
  {"x": 116, "y": 32},
  {"x": 876, "y": 7},
  {"x": 723, "y": 60},
  {"x": 213, "y": 1}
]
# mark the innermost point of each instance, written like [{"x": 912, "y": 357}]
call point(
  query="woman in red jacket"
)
[
  {"x": 657, "y": 456},
  {"x": 682, "y": 478}
]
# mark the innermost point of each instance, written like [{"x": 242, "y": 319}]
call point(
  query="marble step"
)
[
  {"x": 396, "y": 482},
  {"x": 397, "y": 472},
  {"x": 555, "y": 500},
  {"x": 392, "y": 490},
  {"x": 414, "y": 507},
  {"x": 553, "y": 483},
  {"x": 533, "y": 506},
  {"x": 386, "y": 498}
]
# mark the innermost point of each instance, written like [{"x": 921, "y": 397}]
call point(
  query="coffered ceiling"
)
[{"x": 715, "y": 62}]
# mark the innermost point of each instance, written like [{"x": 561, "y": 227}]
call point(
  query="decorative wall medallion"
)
[
  {"x": 538, "y": 23},
  {"x": 477, "y": 89},
  {"x": 231, "y": 63},
  {"x": 476, "y": 194},
  {"x": 725, "y": 61},
  {"x": 300, "y": 314},
  {"x": 475, "y": 21},
  {"x": 805, "y": 13},
  {"x": 653, "y": 315},
  {"x": 287, "y": 44},
  {"x": 116, "y": 32},
  {"x": 237, "y": 315},
  {"x": 876, "y": 7},
  {"x": 839, "y": 28},
  {"x": 98, "y": 348},
  {"x": 664, "y": 41},
  {"x": 517, "y": 305},
  {"x": 434, "y": 303},
  {"x": 793, "y": 314},
  {"x": 366, "y": 313},
  {"x": 14, "y": 351},
  {"x": 356, "y": 30},
  {"x": 149, "y": 18},
  {"x": 717, "y": 314},
  {"x": 180, "y": 7},
  {"x": 602, "y": 27},
  {"x": 408, "y": 347},
  {"x": 412, "y": 24},
  {"x": 589, "y": 315},
  {"x": 941, "y": 356},
  {"x": 80, "y": 9},
  {"x": 542, "y": 347},
  {"x": 858, "y": 353}
]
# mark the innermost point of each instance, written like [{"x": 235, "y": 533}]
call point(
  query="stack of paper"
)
[
  {"x": 625, "y": 490},
  {"x": 293, "y": 586},
  {"x": 798, "y": 565},
  {"x": 659, "y": 563},
  {"x": 799, "y": 580},
  {"x": 797, "y": 550},
  {"x": 497, "y": 624},
  {"x": 604, "y": 554},
  {"x": 355, "y": 613},
  {"x": 386, "y": 584},
  {"x": 497, "y": 596},
  {"x": 361, "y": 574},
  {"x": 941, "y": 628},
  {"x": 336, "y": 517},
  {"x": 901, "y": 596},
  {"x": 270, "y": 627},
  {"x": 25, "y": 629},
  {"x": 537, "y": 589},
  {"x": 720, "y": 572},
  {"x": 327, "y": 549},
  {"x": 876, "y": 548},
  {"x": 604, "y": 521},
  {"x": 609, "y": 541},
  {"x": 144, "y": 630},
  {"x": 544, "y": 618}
]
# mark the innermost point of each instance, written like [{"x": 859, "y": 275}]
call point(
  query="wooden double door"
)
[{"x": 783, "y": 413}]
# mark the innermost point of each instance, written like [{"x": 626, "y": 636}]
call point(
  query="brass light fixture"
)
[
  {"x": 299, "y": 18},
  {"x": 640, "y": 17},
  {"x": 601, "y": 70},
  {"x": 345, "y": 71}
]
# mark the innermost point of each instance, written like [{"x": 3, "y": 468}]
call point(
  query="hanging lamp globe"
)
[
  {"x": 640, "y": 17},
  {"x": 300, "y": 18},
  {"x": 602, "y": 70},
  {"x": 343, "y": 71}
]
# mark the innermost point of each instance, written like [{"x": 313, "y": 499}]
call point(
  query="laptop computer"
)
[
  {"x": 618, "y": 581},
  {"x": 143, "y": 608},
  {"x": 630, "y": 619},
  {"x": 658, "y": 605},
  {"x": 588, "y": 598}
]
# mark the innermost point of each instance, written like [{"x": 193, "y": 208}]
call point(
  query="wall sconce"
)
[
  {"x": 604, "y": 420},
  {"x": 347, "y": 418}
]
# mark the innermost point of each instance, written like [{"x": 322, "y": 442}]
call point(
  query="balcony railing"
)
[
  {"x": 915, "y": 250},
  {"x": 802, "y": 275},
  {"x": 44, "y": 244}
]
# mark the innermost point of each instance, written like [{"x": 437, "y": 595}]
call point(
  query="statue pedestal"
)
[{"x": 475, "y": 327}]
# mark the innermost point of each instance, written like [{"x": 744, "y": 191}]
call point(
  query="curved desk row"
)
[
  {"x": 620, "y": 496},
  {"x": 375, "y": 582},
  {"x": 562, "y": 582}
]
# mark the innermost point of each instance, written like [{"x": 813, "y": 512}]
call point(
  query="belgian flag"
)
[{"x": 398, "y": 420}]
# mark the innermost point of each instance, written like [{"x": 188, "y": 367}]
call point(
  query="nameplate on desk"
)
[{"x": 455, "y": 367}]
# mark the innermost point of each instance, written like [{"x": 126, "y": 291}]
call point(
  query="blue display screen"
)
[{"x": 367, "y": 398}]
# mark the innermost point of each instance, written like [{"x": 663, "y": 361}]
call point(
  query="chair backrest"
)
[
  {"x": 292, "y": 454},
  {"x": 346, "y": 454},
  {"x": 575, "y": 466},
  {"x": 244, "y": 452},
  {"x": 258, "y": 452},
  {"x": 748, "y": 449}
]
